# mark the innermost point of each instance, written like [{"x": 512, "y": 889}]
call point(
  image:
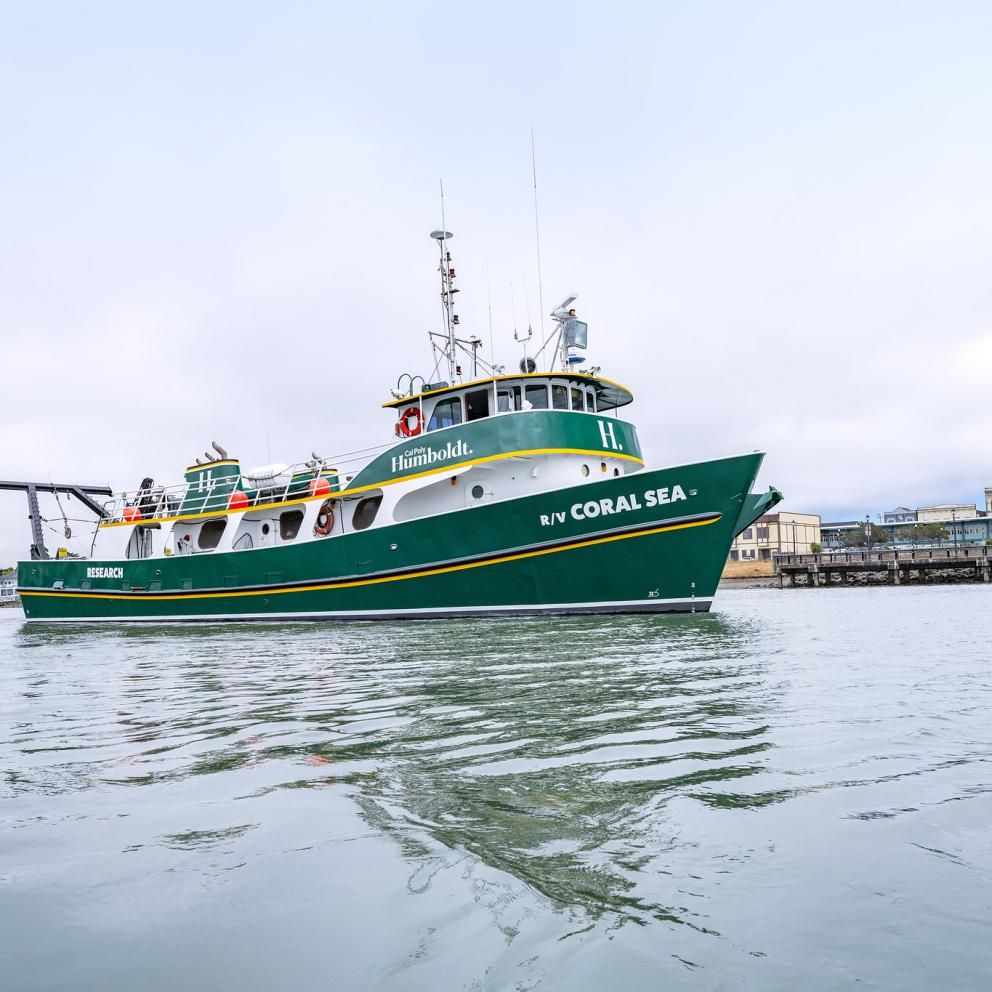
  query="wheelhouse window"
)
[
  {"x": 537, "y": 396},
  {"x": 591, "y": 400},
  {"x": 289, "y": 524},
  {"x": 446, "y": 413},
  {"x": 508, "y": 399},
  {"x": 577, "y": 395},
  {"x": 365, "y": 512},
  {"x": 210, "y": 534},
  {"x": 477, "y": 404},
  {"x": 559, "y": 397}
]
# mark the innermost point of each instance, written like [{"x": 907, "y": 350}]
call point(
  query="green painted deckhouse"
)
[{"x": 500, "y": 495}]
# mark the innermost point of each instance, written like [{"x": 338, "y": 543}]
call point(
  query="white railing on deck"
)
[{"x": 165, "y": 502}]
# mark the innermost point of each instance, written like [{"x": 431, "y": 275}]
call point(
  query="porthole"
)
[
  {"x": 585, "y": 469},
  {"x": 616, "y": 471},
  {"x": 478, "y": 492},
  {"x": 265, "y": 528}
]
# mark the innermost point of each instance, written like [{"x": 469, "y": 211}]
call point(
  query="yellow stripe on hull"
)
[{"x": 318, "y": 587}]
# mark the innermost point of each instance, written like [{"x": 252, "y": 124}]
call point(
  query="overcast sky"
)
[{"x": 777, "y": 216}]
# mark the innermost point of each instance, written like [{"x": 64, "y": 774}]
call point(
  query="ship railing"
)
[{"x": 214, "y": 495}]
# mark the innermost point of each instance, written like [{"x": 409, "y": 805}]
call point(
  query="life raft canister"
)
[
  {"x": 325, "y": 519},
  {"x": 410, "y": 422}
]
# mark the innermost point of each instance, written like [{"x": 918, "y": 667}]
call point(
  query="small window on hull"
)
[
  {"x": 210, "y": 534},
  {"x": 289, "y": 524},
  {"x": 477, "y": 404},
  {"x": 365, "y": 512}
]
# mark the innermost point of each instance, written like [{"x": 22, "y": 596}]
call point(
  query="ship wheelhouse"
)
[
  {"x": 444, "y": 405},
  {"x": 503, "y": 437}
]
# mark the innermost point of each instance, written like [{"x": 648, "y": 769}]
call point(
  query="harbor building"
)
[
  {"x": 946, "y": 511},
  {"x": 773, "y": 533},
  {"x": 964, "y": 523},
  {"x": 8, "y": 587},
  {"x": 900, "y": 515},
  {"x": 833, "y": 533}
]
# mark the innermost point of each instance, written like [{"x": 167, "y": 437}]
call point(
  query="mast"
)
[{"x": 448, "y": 290}]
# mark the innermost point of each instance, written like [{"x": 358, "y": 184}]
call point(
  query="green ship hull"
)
[{"x": 651, "y": 541}]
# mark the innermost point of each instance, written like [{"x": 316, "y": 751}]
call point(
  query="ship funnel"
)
[{"x": 220, "y": 451}]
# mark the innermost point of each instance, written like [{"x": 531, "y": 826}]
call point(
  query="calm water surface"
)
[{"x": 792, "y": 792}]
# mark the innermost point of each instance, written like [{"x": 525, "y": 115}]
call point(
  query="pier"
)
[{"x": 919, "y": 565}]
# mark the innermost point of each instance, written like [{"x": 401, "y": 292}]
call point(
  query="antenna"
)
[
  {"x": 489, "y": 299},
  {"x": 537, "y": 229}
]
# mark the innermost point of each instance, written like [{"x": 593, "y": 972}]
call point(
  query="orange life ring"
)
[
  {"x": 404, "y": 426},
  {"x": 325, "y": 514}
]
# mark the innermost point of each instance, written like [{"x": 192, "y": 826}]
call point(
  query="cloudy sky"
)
[{"x": 214, "y": 224}]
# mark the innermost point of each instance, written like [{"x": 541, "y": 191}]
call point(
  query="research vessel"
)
[{"x": 498, "y": 493}]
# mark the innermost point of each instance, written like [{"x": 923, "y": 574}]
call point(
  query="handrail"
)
[{"x": 166, "y": 502}]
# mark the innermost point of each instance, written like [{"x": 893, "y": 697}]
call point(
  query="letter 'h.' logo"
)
[{"x": 609, "y": 438}]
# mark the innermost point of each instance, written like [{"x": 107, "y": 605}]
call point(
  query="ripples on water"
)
[{"x": 792, "y": 792}]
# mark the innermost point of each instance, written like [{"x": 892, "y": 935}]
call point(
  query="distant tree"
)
[
  {"x": 856, "y": 537},
  {"x": 926, "y": 533},
  {"x": 815, "y": 547}
]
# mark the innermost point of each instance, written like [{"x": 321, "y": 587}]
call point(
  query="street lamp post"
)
[
  {"x": 868, "y": 532},
  {"x": 954, "y": 528}
]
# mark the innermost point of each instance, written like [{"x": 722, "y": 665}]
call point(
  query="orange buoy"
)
[
  {"x": 238, "y": 500},
  {"x": 131, "y": 513},
  {"x": 319, "y": 486}
]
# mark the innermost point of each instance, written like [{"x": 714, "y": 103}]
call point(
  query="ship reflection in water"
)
[{"x": 705, "y": 799}]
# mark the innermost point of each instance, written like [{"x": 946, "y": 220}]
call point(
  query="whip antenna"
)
[{"x": 537, "y": 231}]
